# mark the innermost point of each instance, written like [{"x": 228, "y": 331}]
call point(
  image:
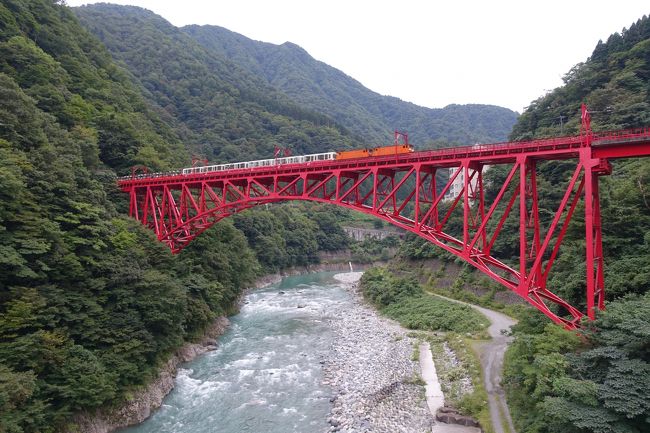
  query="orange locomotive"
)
[
  {"x": 391, "y": 150},
  {"x": 395, "y": 149},
  {"x": 353, "y": 154}
]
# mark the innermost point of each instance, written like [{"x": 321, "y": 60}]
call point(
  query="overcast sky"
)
[{"x": 429, "y": 52}]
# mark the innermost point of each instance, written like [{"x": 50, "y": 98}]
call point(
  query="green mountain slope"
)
[
  {"x": 220, "y": 110},
  {"x": 555, "y": 381},
  {"x": 90, "y": 303},
  {"x": 72, "y": 77},
  {"x": 614, "y": 82},
  {"x": 315, "y": 85}
]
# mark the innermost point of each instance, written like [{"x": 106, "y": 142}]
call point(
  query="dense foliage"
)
[
  {"x": 555, "y": 381},
  {"x": 90, "y": 303},
  {"x": 613, "y": 82},
  {"x": 291, "y": 235},
  {"x": 70, "y": 76},
  {"x": 625, "y": 205},
  {"x": 372, "y": 116},
  {"x": 403, "y": 300},
  {"x": 372, "y": 250}
]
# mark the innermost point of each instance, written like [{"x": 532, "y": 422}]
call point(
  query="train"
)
[
  {"x": 394, "y": 150},
  {"x": 377, "y": 151}
]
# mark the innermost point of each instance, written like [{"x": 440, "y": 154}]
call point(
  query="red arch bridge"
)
[{"x": 405, "y": 191}]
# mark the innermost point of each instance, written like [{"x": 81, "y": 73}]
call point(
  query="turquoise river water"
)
[{"x": 266, "y": 374}]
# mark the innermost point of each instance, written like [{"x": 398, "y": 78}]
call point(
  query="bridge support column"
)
[
  {"x": 523, "y": 217},
  {"x": 593, "y": 235}
]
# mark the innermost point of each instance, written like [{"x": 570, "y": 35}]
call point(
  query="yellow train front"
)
[{"x": 377, "y": 151}]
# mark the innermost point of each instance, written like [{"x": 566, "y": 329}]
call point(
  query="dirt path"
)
[{"x": 491, "y": 354}]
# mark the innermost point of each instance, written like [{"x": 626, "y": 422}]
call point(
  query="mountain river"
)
[{"x": 266, "y": 374}]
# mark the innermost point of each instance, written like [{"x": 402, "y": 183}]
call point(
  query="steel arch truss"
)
[{"x": 411, "y": 194}]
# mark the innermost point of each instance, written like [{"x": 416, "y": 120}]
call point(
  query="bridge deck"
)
[{"x": 614, "y": 144}]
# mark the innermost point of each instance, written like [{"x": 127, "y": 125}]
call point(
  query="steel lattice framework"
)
[{"x": 406, "y": 191}]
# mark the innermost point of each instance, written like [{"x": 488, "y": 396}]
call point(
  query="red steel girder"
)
[{"x": 403, "y": 190}]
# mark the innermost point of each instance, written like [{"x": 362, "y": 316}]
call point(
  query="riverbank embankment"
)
[{"x": 145, "y": 401}]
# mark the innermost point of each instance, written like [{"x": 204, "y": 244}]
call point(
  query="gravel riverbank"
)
[{"x": 372, "y": 373}]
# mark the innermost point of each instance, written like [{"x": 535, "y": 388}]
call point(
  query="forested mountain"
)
[
  {"x": 220, "y": 110},
  {"x": 217, "y": 85},
  {"x": 318, "y": 86},
  {"x": 91, "y": 304},
  {"x": 71, "y": 76},
  {"x": 555, "y": 380}
]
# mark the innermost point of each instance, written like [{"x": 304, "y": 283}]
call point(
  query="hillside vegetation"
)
[
  {"x": 404, "y": 300},
  {"x": 556, "y": 381}
]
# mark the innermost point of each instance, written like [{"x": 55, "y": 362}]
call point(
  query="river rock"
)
[
  {"x": 370, "y": 369},
  {"x": 449, "y": 415}
]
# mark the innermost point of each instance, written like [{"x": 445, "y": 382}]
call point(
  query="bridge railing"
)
[
  {"x": 506, "y": 147},
  {"x": 553, "y": 143},
  {"x": 625, "y": 135},
  {"x": 436, "y": 154},
  {"x": 151, "y": 175}
]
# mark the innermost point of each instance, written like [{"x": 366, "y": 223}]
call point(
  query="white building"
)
[{"x": 457, "y": 186}]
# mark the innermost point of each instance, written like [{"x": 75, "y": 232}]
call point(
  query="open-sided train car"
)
[{"x": 300, "y": 159}]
